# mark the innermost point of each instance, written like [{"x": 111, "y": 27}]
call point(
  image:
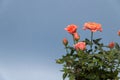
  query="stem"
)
[
  {"x": 91, "y": 42},
  {"x": 73, "y": 39},
  {"x": 66, "y": 49}
]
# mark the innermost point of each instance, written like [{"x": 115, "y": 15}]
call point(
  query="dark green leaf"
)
[
  {"x": 96, "y": 41},
  {"x": 87, "y": 41},
  {"x": 72, "y": 77},
  {"x": 117, "y": 46},
  {"x": 64, "y": 76}
]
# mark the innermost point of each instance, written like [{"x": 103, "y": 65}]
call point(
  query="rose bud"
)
[
  {"x": 118, "y": 33},
  {"x": 111, "y": 45},
  {"x": 65, "y": 41}
]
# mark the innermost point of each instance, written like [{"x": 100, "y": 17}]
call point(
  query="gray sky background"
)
[{"x": 31, "y": 32}]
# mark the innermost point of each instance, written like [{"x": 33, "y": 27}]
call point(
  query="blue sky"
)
[{"x": 31, "y": 32}]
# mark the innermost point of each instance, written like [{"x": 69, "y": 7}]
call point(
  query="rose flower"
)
[
  {"x": 80, "y": 46},
  {"x": 92, "y": 26},
  {"x": 71, "y": 28}
]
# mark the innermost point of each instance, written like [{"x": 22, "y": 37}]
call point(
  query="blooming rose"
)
[
  {"x": 111, "y": 45},
  {"x": 76, "y": 36},
  {"x": 80, "y": 46},
  {"x": 65, "y": 41},
  {"x": 119, "y": 33},
  {"x": 71, "y": 28},
  {"x": 92, "y": 26}
]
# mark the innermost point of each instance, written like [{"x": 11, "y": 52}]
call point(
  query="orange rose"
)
[
  {"x": 119, "y": 33},
  {"x": 76, "y": 36},
  {"x": 92, "y": 26},
  {"x": 111, "y": 45},
  {"x": 71, "y": 28},
  {"x": 80, "y": 46},
  {"x": 65, "y": 41}
]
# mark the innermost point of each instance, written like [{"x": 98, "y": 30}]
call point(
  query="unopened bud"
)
[
  {"x": 119, "y": 33},
  {"x": 65, "y": 41},
  {"x": 111, "y": 45}
]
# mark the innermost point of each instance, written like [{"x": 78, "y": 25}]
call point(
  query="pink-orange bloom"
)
[
  {"x": 65, "y": 41},
  {"x": 80, "y": 46},
  {"x": 76, "y": 36},
  {"x": 92, "y": 26},
  {"x": 71, "y": 28},
  {"x": 111, "y": 45},
  {"x": 119, "y": 33}
]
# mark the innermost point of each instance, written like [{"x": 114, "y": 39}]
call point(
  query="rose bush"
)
[{"x": 90, "y": 59}]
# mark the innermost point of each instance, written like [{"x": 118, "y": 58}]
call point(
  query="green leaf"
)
[
  {"x": 72, "y": 51},
  {"x": 72, "y": 77},
  {"x": 87, "y": 41},
  {"x": 64, "y": 76},
  {"x": 96, "y": 41},
  {"x": 117, "y": 46},
  {"x": 91, "y": 76},
  {"x": 59, "y": 61},
  {"x": 96, "y": 47},
  {"x": 95, "y": 60}
]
